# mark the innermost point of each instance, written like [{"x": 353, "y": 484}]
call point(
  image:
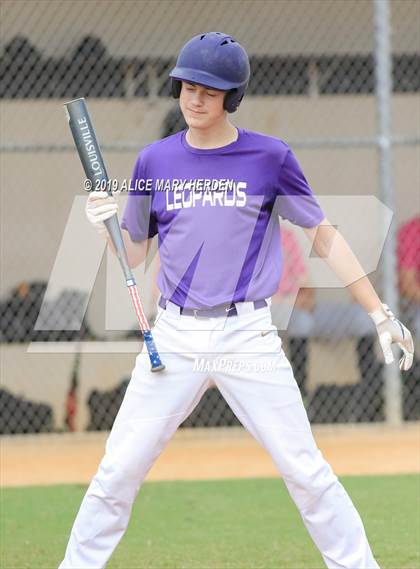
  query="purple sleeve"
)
[
  {"x": 138, "y": 218},
  {"x": 295, "y": 200}
]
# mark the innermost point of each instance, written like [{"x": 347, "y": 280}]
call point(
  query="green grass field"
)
[{"x": 228, "y": 524}]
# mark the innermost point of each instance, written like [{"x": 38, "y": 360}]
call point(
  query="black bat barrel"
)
[
  {"x": 86, "y": 142},
  {"x": 94, "y": 167}
]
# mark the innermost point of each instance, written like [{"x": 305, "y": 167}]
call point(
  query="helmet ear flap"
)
[
  {"x": 231, "y": 102},
  {"x": 176, "y": 88}
]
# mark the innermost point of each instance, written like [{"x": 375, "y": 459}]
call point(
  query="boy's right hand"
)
[{"x": 99, "y": 207}]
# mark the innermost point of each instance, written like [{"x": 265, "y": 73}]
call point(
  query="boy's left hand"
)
[{"x": 391, "y": 330}]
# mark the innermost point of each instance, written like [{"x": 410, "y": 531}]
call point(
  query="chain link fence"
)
[{"x": 313, "y": 84}]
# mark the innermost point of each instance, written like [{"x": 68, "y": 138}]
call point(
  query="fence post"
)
[{"x": 383, "y": 89}]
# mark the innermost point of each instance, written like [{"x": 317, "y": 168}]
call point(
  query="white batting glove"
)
[
  {"x": 99, "y": 207},
  {"x": 391, "y": 330}
]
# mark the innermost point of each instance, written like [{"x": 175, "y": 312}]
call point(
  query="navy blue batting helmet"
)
[{"x": 213, "y": 60}]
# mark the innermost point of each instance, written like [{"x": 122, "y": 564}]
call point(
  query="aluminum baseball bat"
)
[{"x": 91, "y": 157}]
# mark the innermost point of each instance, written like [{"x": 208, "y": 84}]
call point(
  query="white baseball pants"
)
[{"x": 256, "y": 379}]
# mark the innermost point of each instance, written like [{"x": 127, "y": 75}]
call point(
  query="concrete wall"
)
[
  {"x": 46, "y": 377},
  {"x": 38, "y": 185},
  {"x": 38, "y": 189}
]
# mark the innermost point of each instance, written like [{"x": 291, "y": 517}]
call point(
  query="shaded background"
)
[{"x": 314, "y": 84}]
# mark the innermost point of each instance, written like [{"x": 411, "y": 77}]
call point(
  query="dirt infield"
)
[{"x": 208, "y": 454}]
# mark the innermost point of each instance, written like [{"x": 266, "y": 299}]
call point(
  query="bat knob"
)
[{"x": 159, "y": 367}]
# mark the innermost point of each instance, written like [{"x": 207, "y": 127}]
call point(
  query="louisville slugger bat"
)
[{"x": 93, "y": 164}]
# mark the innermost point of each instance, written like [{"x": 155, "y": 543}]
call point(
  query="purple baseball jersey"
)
[{"x": 216, "y": 212}]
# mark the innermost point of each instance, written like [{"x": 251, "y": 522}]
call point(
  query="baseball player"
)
[{"x": 213, "y": 194}]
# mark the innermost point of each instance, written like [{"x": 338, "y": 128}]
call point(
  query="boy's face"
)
[{"x": 201, "y": 106}]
